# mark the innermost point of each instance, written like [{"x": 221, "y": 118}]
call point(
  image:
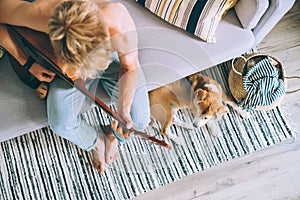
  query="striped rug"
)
[{"x": 41, "y": 165}]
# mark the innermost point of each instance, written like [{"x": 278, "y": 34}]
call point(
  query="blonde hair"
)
[{"x": 80, "y": 38}]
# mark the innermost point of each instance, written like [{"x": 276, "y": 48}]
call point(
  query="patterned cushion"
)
[
  {"x": 199, "y": 17},
  {"x": 229, "y": 4}
]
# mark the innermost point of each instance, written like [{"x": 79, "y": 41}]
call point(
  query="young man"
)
[{"x": 88, "y": 37}]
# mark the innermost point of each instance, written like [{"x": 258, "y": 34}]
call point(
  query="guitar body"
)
[{"x": 41, "y": 42}]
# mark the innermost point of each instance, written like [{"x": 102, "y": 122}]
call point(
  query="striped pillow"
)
[{"x": 199, "y": 17}]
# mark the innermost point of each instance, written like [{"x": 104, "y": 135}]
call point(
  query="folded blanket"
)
[{"x": 262, "y": 85}]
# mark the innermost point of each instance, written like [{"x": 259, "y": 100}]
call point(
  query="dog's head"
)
[{"x": 208, "y": 103}]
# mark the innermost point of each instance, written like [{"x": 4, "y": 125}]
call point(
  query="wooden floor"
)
[{"x": 270, "y": 174}]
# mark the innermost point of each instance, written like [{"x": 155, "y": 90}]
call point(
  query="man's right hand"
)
[{"x": 42, "y": 74}]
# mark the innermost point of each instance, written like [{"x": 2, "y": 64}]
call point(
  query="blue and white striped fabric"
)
[{"x": 262, "y": 85}]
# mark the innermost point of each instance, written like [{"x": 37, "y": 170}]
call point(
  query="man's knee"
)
[
  {"x": 141, "y": 124},
  {"x": 81, "y": 134},
  {"x": 59, "y": 125}
]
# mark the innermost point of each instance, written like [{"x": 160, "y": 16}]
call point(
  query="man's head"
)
[{"x": 80, "y": 38}]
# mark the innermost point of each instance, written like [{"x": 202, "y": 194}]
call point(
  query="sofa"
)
[{"x": 166, "y": 52}]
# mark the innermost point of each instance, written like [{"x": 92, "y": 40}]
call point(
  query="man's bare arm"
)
[
  {"x": 34, "y": 15},
  {"x": 124, "y": 40}
]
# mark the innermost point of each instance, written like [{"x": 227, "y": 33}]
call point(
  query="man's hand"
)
[
  {"x": 115, "y": 126},
  {"x": 42, "y": 74},
  {"x": 126, "y": 116}
]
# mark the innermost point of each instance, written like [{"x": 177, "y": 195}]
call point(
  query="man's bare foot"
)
[
  {"x": 111, "y": 146},
  {"x": 99, "y": 154},
  {"x": 106, "y": 150}
]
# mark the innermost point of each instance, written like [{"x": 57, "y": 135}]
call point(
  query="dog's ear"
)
[
  {"x": 212, "y": 87},
  {"x": 223, "y": 109},
  {"x": 193, "y": 77},
  {"x": 195, "y": 80},
  {"x": 201, "y": 94},
  {"x": 194, "y": 83}
]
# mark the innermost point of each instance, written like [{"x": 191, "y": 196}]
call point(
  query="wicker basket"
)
[{"x": 240, "y": 66}]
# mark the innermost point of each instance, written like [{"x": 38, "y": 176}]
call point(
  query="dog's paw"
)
[
  {"x": 177, "y": 139},
  {"x": 245, "y": 114},
  {"x": 213, "y": 129},
  {"x": 189, "y": 126},
  {"x": 176, "y": 121},
  {"x": 216, "y": 133}
]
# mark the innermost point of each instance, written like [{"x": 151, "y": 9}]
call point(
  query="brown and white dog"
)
[{"x": 203, "y": 95}]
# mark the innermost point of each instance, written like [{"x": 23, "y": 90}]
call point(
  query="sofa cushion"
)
[
  {"x": 229, "y": 4},
  {"x": 274, "y": 13},
  {"x": 198, "y": 17},
  {"x": 250, "y": 12}
]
